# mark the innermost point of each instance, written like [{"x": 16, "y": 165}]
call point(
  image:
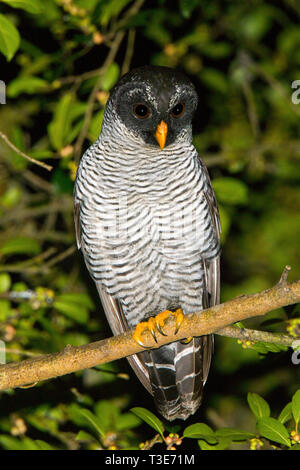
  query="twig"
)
[
  {"x": 30, "y": 159},
  {"x": 149, "y": 444},
  {"x": 62, "y": 204},
  {"x": 37, "y": 182},
  {"x": 61, "y": 256},
  {"x": 26, "y": 265},
  {"x": 129, "y": 52},
  {"x": 251, "y": 108},
  {"x": 284, "y": 275},
  {"x": 256, "y": 335},
  {"x": 20, "y": 352},
  {"x": 208, "y": 321}
]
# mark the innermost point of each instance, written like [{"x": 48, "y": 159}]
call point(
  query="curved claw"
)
[
  {"x": 143, "y": 345},
  {"x": 179, "y": 318},
  {"x": 151, "y": 324},
  {"x": 160, "y": 321},
  {"x": 159, "y": 329}
]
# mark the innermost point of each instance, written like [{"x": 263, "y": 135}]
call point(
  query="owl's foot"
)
[
  {"x": 157, "y": 323},
  {"x": 141, "y": 327}
]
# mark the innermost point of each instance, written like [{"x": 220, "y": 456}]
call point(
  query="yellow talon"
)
[
  {"x": 157, "y": 323},
  {"x": 179, "y": 318},
  {"x": 151, "y": 327},
  {"x": 139, "y": 329},
  {"x": 160, "y": 320}
]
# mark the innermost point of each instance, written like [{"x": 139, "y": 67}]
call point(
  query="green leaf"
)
[
  {"x": 234, "y": 434},
  {"x": 110, "y": 9},
  {"x": 84, "y": 416},
  {"x": 5, "y": 282},
  {"x": 42, "y": 445},
  {"x": 258, "y": 405},
  {"x": 84, "y": 436},
  {"x": 108, "y": 412},
  {"x": 256, "y": 23},
  {"x": 42, "y": 423},
  {"x": 9, "y": 38},
  {"x": 60, "y": 126},
  {"x": 230, "y": 190},
  {"x": 92, "y": 419},
  {"x": 30, "y": 85},
  {"x": 32, "y": 6},
  {"x": 5, "y": 309},
  {"x": 127, "y": 421},
  {"x": 149, "y": 418},
  {"x": 286, "y": 413},
  {"x": 214, "y": 79},
  {"x": 222, "y": 444},
  {"x": 200, "y": 431},
  {"x": 216, "y": 50},
  {"x": 21, "y": 245},
  {"x": 79, "y": 299},
  {"x": 187, "y": 7},
  {"x": 78, "y": 313},
  {"x": 61, "y": 181},
  {"x": 11, "y": 197},
  {"x": 296, "y": 406},
  {"x": 110, "y": 77},
  {"x": 225, "y": 219},
  {"x": 14, "y": 443},
  {"x": 273, "y": 430},
  {"x": 95, "y": 126}
]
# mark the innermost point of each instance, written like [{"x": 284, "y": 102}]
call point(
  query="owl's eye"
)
[
  {"x": 141, "y": 111},
  {"x": 178, "y": 110}
]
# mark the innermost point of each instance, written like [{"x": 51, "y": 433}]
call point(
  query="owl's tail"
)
[{"x": 177, "y": 374}]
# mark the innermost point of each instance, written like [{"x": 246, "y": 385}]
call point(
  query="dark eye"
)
[
  {"x": 141, "y": 111},
  {"x": 178, "y": 110}
]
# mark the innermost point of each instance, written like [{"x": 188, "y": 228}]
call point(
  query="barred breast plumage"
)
[{"x": 148, "y": 227}]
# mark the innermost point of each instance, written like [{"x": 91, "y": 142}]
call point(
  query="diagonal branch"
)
[
  {"x": 211, "y": 320},
  {"x": 24, "y": 155}
]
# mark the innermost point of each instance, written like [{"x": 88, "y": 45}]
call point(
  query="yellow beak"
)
[{"x": 161, "y": 134}]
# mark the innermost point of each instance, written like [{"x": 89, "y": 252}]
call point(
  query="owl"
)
[{"x": 147, "y": 224}]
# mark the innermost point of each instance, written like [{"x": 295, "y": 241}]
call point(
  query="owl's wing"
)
[
  {"x": 114, "y": 313},
  {"x": 212, "y": 267}
]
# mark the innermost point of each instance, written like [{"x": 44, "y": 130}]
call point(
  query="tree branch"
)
[
  {"x": 24, "y": 155},
  {"x": 244, "y": 334},
  {"x": 211, "y": 320}
]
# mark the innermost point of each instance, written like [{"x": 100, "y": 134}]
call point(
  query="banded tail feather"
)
[{"x": 177, "y": 374}]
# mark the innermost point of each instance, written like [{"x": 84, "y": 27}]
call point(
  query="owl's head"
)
[{"x": 155, "y": 104}]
